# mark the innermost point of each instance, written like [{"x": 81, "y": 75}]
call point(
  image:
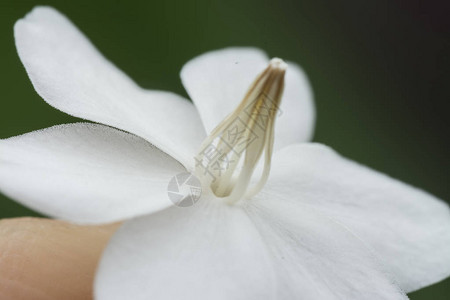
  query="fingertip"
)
[{"x": 49, "y": 259}]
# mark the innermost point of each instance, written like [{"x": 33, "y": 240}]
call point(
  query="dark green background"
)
[{"x": 379, "y": 70}]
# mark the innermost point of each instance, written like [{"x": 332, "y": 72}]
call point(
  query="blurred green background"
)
[{"x": 380, "y": 71}]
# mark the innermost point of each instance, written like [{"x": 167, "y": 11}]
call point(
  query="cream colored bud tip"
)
[{"x": 278, "y": 63}]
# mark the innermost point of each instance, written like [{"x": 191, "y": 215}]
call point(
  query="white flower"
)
[{"x": 322, "y": 227}]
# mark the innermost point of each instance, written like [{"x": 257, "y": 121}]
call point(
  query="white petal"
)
[
  {"x": 217, "y": 82},
  {"x": 215, "y": 251},
  {"x": 71, "y": 75},
  {"x": 295, "y": 122},
  {"x": 202, "y": 252},
  {"x": 86, "y": 173},
  {"x": 408, "y": 228},
  {"x": 316, "y": 258}
]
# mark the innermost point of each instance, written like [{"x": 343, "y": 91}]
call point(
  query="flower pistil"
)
[{"x": 229, "y": 155}]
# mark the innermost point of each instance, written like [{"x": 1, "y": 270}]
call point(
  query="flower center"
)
[{"x": 229, "y": 155}]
